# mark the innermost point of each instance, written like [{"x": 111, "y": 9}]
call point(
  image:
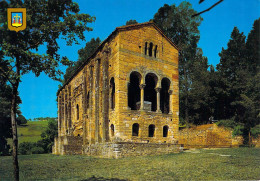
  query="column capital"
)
[
  {"x": 170, "y": 92},
  {"x": 142, "y": 86},
  {"x": 157, "y": 89}
]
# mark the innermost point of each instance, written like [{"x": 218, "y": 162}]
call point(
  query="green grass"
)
[
  {"x": 31, "y": 132},
  {"x": 204, "y": 164}
]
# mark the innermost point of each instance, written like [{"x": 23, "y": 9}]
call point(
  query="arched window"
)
[
  {"x": 112, "y": 130},
  {"x": 164, "y": 95},
  {"x": 155, "y": 51},
  {"x": 134, "y": 90},
  {"x": 149, "y": 90},
  {"x": 151, "y": 49},
  {"x": 145, "y": 48},
  {"x": 165, "y": 131},
  {"x": 87, "y": 100},
  {"x": 77, "y": 111},
  {"x": 112, "y": 98},
  {"x": 151, "y": 129},
  {"x": 135, "y": 129}
]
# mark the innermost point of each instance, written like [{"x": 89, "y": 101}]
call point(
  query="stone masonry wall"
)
[{"x": 208, "y": 136}]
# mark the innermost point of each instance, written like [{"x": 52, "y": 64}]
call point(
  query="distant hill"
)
[{"x": 30, "y": 132}]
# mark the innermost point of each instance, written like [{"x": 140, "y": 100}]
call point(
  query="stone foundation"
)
[{"x": 125, "y": 149}]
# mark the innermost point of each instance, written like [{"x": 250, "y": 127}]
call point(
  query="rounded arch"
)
[
  {"x": 165, "y": 131},
  {"x": 135, "y": 129},
  {"x": 164, "y": 95},
  {"x": 134, "y": 90},
  {"x": 150, "y": 95},
  {"x": 112, "y": 93},
  {"x": 151, "y": 130}
]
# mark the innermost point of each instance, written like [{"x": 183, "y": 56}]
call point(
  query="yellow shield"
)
[{"x": 16, "y": 19}]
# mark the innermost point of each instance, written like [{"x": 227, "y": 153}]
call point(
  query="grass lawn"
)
[
  {"x": 31, "y": 132},
  {"x": 203, "y": 164}
]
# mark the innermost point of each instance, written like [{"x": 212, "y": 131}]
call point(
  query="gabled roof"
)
[{"x": 118, "y": 29}]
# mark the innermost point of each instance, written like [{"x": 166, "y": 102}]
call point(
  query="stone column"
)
[
  {"x": 65, "y": 112},
  {"x": 84, "y": 97},
  {"x": 170, "y": 101},
  {"x": 105, "y": 95},
  {"x": 158, "y": 99},
  {"x": 59, "y": 115},
  {"x": 91, "y": 120},
  {"x": 142, "y": 86},
  {"x": 97, "y": 77}
]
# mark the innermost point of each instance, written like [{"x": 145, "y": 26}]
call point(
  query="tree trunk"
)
[{"x": 14, "y": 131}]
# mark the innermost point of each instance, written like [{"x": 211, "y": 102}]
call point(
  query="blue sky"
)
[{"x": 39, "y": 94}]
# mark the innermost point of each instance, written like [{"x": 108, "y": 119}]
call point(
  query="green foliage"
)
[
  {"x": 25, "y": 148},
  {"x": 131, "y": 22},
  {"x": 228, "y": 123},
  {"x": 239, "y": 81},
  {"x": 84, "y": 54},
  {"x": 255, "y": 131},
  {"x": 238, "y": 130},
  {"x": 48, "y": 136},
  {"x": 37, "y": 150},
  {"x": 44, "y": 145},
  {"x": 21, "y": 120}
]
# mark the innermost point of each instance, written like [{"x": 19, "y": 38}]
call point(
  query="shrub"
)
[
  {"x": 229, "y": 123},
  {"x": 37, "y": 150},
  {"x": 255, "y": 131},
  {"x": 238, "y": 130},
  {"x": 25, "y": 148}
]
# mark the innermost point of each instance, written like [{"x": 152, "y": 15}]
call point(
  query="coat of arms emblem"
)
[{"x": 16, "y": 19}]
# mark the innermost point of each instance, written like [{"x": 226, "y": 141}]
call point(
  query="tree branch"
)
[
  {"x": 207, "y": 9},
  {"x": 3, "y": 73}
]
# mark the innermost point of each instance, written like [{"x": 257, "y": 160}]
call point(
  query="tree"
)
[
  {"x": 239, "y": 73},
  {"x": 21, "y": 120},
  {"x": 48, "y": 136},
  {"x": 131, "y": 22},
  {"x": 177, "y": 24},
  {"x": 84, "y": 53},
  {"x": 46, "y": 22}
]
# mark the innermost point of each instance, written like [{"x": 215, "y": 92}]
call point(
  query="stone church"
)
[{"x": 124, "y": 100}]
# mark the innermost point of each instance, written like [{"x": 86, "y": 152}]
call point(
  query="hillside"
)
[{"x": 31, "y": 132}]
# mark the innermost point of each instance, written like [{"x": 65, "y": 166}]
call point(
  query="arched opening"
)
[
  {"x": 151, "y": 49},
  {"x": 155, "y": 51},
  {"x": 135, "y": 129},
  {"x": 87, "y": 100},
  {"x": 149, "y": 92},
  {"x": 112, "y": 127},
  {"x": 151, "y": 129},
  {"x": 77, "y": 111},
  {"x": 145, "y": 48},
  {"x": 134, "y": 90},
  {"x": 112, "y": 98},
  {"x": 164, "y": 95},
  {"x": 165, "y": 131}
]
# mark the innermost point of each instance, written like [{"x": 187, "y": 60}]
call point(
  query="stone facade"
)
[{"x": 126, "y": 94}]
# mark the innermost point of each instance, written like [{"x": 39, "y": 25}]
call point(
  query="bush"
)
[
  {"x": 25, "y": 148},
  {"x": 238, "y": 130},
  {"x": 255, "y": 131},
  {"x": 37, "y": 150},
  {"x": 228, "y": 123}
]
